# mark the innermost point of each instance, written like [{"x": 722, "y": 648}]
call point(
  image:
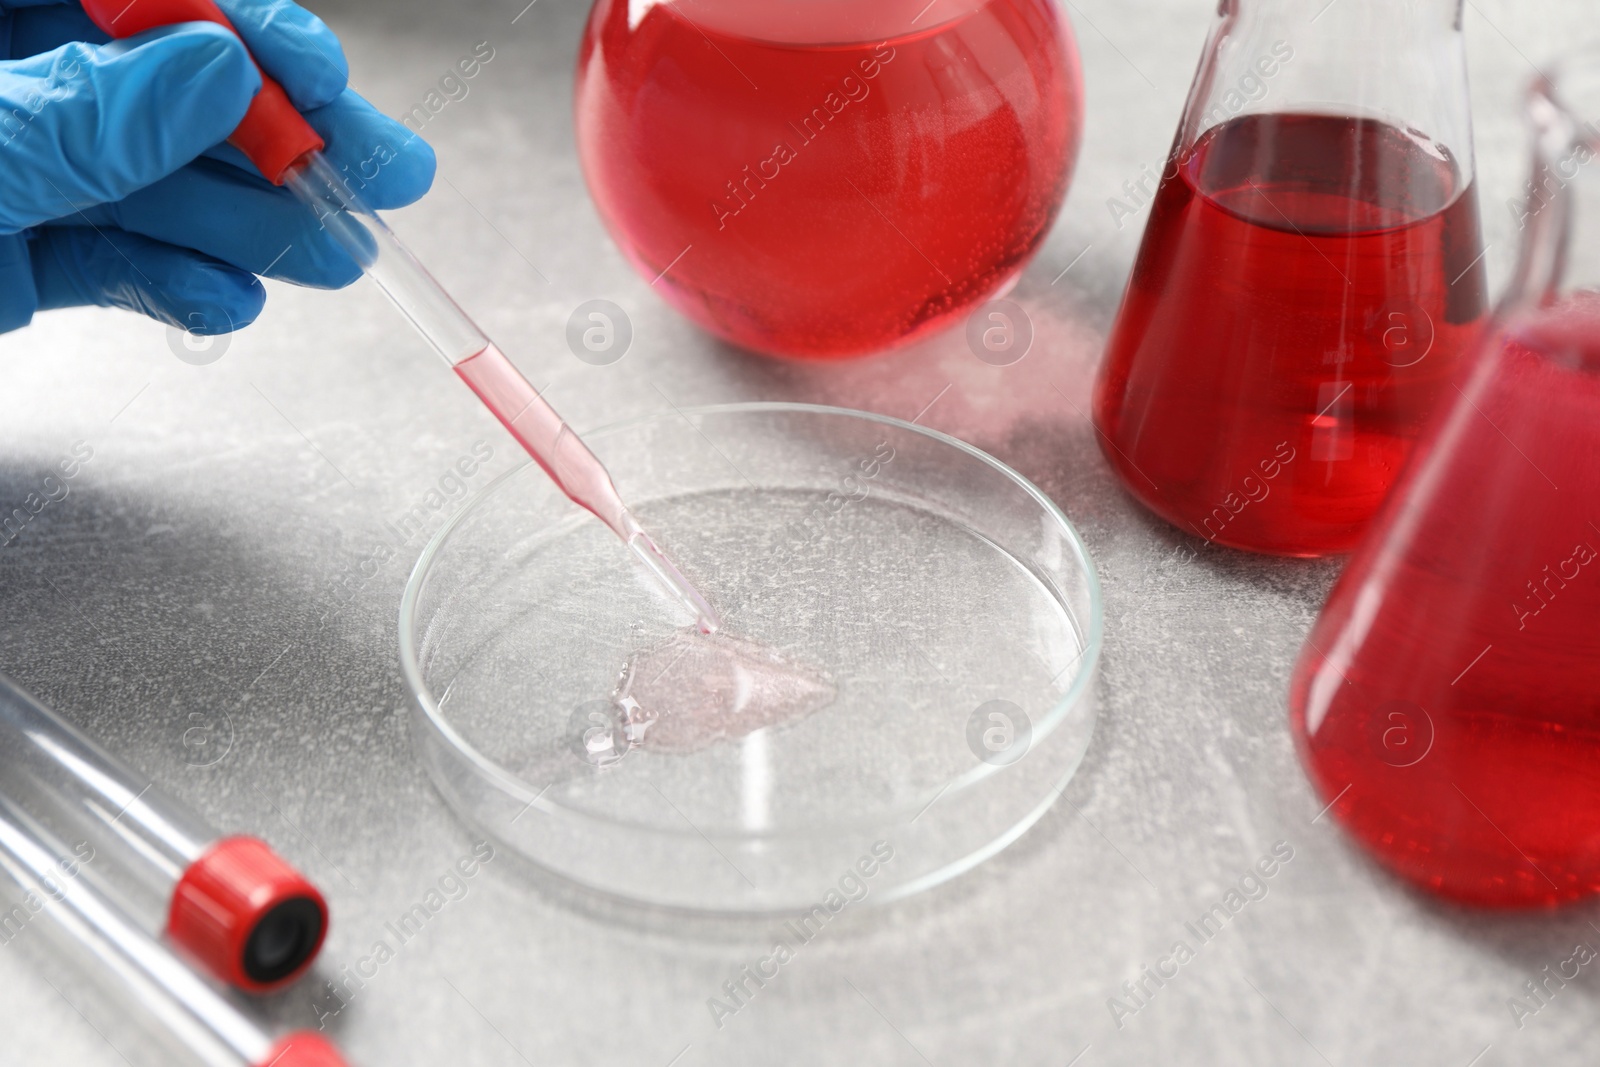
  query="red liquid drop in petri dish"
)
[
  {"x": 1306, "y": 288},
  {"x": 1449, "y": 696},
  {"x": 831, "y": 178}
]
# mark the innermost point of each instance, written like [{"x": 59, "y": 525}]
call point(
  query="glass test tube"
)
[
  {"x": 173, "y": 1014},
  {"x": 231, "y": 902}
]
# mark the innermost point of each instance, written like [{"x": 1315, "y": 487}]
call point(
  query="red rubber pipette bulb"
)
[{"x": 273, "y": 134}]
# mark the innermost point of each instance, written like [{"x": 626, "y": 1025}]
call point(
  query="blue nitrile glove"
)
[{"x": 116, "y": 188}]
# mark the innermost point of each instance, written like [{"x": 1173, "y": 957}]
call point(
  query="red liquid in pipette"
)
[
  {"x": 576, "y": 470},
  {"x": 825, "y": 200},
  {"x": 1450, "y": 694},
  {"x": 1306, "y": 287},
  {"x": 545, "y": 435}
]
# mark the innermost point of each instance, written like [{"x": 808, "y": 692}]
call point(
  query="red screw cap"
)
[
  {"x": 249, "y": 917},
  {"x": 303, "y": 1049},
  {"x": 272, "y": 134}
]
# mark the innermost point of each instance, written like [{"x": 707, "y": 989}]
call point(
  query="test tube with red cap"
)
[
  {"x": 157, "y": 1001},
  {"x": 231, "y": 903}
]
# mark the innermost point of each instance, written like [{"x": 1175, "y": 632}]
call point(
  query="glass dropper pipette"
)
[
  {"x": 279, "y": 141},
  {"x": 478, "y": 362}
]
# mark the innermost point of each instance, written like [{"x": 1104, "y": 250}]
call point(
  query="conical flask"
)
[
  {"x": 1447, "y": 703},
  {"x": 1310, "y": 276}
]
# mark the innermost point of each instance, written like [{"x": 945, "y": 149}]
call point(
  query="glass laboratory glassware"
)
[
  {"x": 1310, "y": 277},
  {"x": 1447, "y": 703},
  {"x": 231, "y": 902},
  {"x": 137, "y": 995},
  {"x": 951, "y": 606},
  {"x": 831, "y": 178}
]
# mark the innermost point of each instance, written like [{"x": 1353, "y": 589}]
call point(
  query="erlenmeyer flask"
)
[
  {"x": 1447, "y": 703},
  {"x": 1310, "y": 275}
]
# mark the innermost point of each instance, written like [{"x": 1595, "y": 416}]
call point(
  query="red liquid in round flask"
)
[
  {"x": 831, "y": 178},
  {"x": 1447, "y": 703},
  {"x": 1310, "y": 275}
]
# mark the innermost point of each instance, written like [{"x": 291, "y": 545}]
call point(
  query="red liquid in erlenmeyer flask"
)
[
  {"x": 807, "y": 198},
  {"x": 1449, "y": 696},
  {"x": 1305, "y": 289}
]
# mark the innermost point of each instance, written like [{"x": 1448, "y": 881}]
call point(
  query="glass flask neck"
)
[
  {"x": 1401, "y": 62},
  {"x": 815, "y": 22},
  {"x": 1558, "y": 216}
]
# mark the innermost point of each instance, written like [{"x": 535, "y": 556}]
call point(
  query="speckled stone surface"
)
[{"x": 214, "y": 568}]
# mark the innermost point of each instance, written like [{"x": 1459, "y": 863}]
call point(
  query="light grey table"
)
[{"x": 204, "y": 574}]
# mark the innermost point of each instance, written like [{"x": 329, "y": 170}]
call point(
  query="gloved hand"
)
[{"x": 116, "y": 188}]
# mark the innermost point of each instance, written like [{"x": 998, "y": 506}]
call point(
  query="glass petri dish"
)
[{"x": 948, "y": 603}]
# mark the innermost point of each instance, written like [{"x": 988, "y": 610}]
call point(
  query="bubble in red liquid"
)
[
  {"x": 1449, "y": 696},
  {"x": 1306, "y": 288},
  {"x": 830, "y": 178}
]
